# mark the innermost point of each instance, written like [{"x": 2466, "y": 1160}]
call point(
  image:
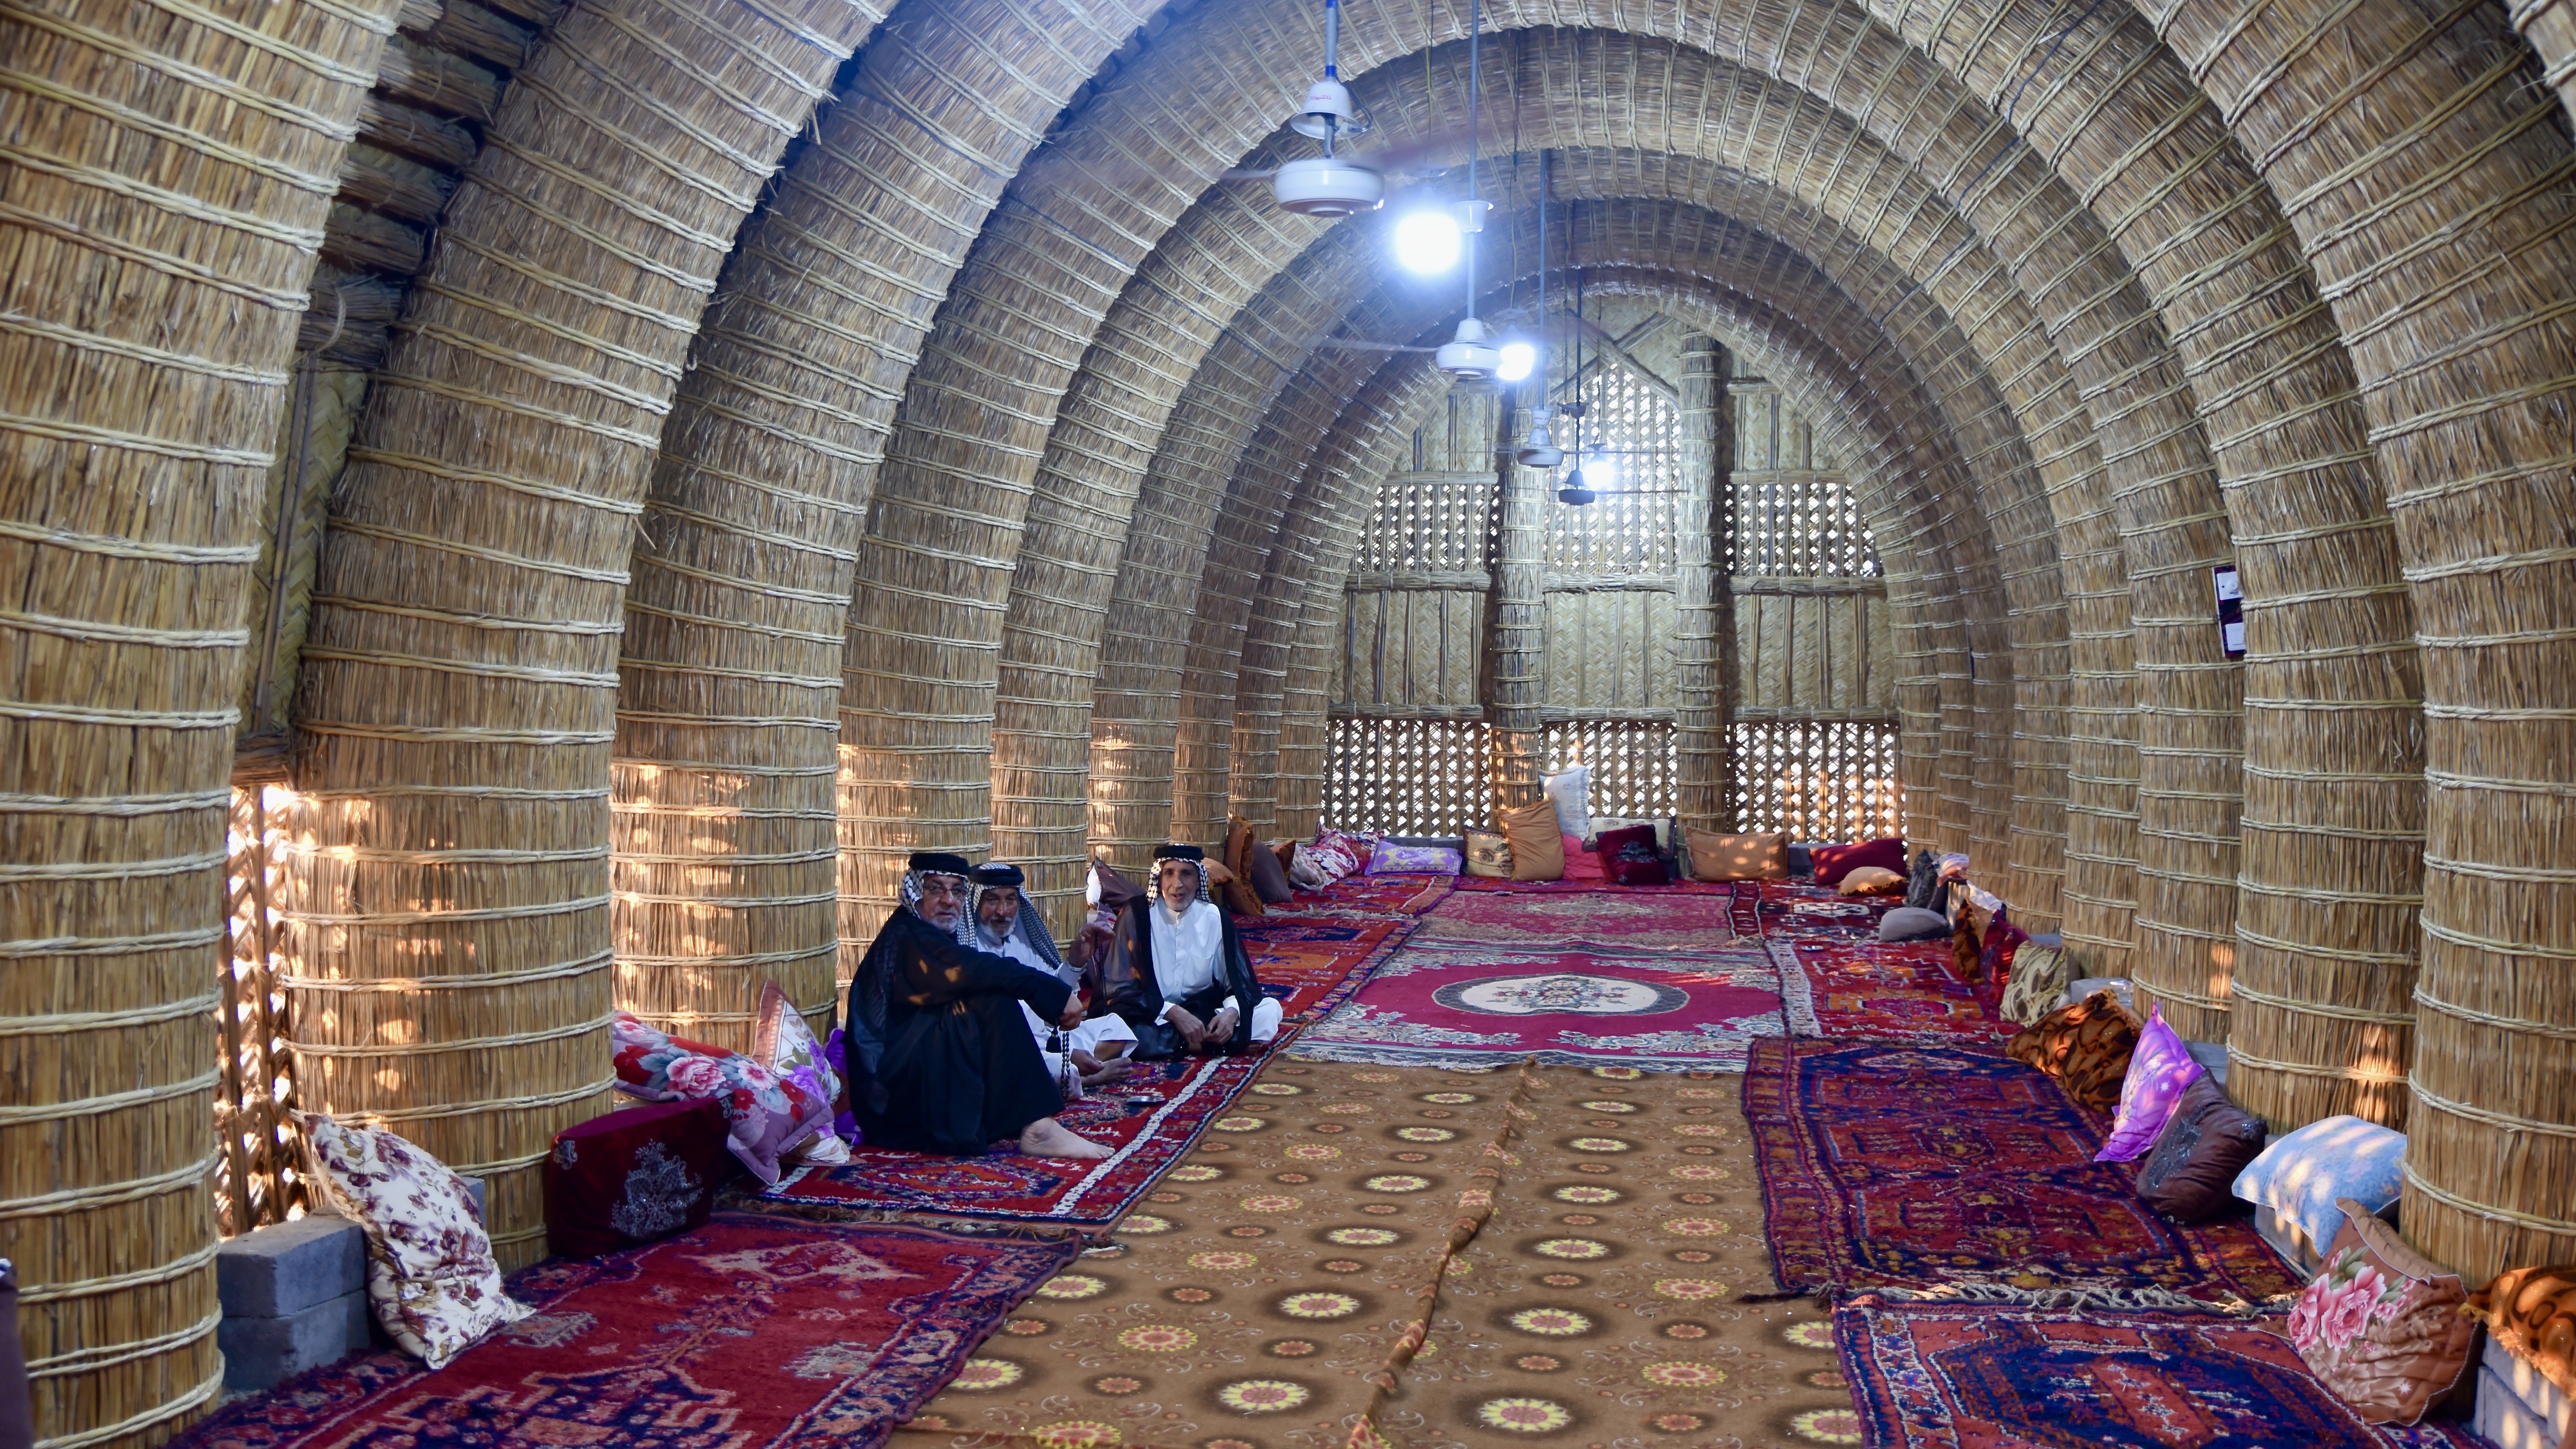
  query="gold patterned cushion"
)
[
  {"x": 1489, "y": 854},
  {"x": 2086, "y": 1047}
]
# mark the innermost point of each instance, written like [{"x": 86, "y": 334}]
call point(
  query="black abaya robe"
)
[
  {"x": 1130, "y": 987},
  {"x": 940, "y": 1058}
]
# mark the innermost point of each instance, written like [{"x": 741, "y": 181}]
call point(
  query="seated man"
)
[
  {"x": 1002, "y": 922},
  {"x": 939, "y": 1055},
  {"x": 1176, "y": 970}
]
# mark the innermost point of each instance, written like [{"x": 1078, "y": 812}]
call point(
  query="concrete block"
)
[
  {"x": 281, "y": 1270},
  {"x": 2551, "y": 1408},
  {"x": 260, "y": 1353},
  {"x": 2212, "y": 1057},
  {"x": 2504, "y": 1420}
]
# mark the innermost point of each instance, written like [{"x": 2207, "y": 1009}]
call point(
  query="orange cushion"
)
[
  {"x": 1871, "y": 880},
  {"x": 1538, "y": 852},
  {"x": 1737, "y": 857}
]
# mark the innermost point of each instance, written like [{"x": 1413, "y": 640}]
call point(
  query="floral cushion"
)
[
  {"x": 2038, "y": 975},
  {"x": 1489, "y": 854},
  {"x": 431, "y": 1275},
  {"x": 2381, "y": 1326},
  {"x": 2159, "y": 1070},
  {"x": 766, "y": 1116},
  {"x": 785, "y": 1044},
  {"x": 1414, "y": 859}
]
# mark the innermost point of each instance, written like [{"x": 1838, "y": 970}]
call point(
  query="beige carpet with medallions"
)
[{"x": 1424, "y": 1258}]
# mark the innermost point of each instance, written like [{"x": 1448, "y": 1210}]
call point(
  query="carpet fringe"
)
[{"x": 2070, "y": 1297}]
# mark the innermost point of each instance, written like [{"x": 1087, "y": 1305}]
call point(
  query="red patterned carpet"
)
[
  {"x": 1311, "y": 963},
  {"x": 753, "y": 1332},
  {"x": 1981, "y": 1376},
  {"x": 1149, "y": 1121},
  {"x": 1615, "y": 917},
  {"x": 1476, "y": 1004},
  {"x": 1893, "y": 1165},
  {"x": 1863, "y": 991},
  {"x": 1373, "y": 895}
]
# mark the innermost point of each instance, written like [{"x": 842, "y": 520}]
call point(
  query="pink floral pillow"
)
[
  {"x": 766, "y": 1116},
  {"x": 2159, "y": 1070},
  {"x": 1336, "y": 854},
  {"x": 2381, "y": 1326},
  {"x": 785, "y": 1044},
  {"x": 431, "y": 1276}
]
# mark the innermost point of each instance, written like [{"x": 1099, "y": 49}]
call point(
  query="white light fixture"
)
[
  {"x": 1470, "y": 214},
  {"x": 1326, "y": 185},
  {"x": 1539, "y": 449},
  {"x": 1469, "y": 358},
  {"x": 1516, "y": 362},
  {"x": 1601, "y": 470},
  {"x": 1427, "y": 242}
]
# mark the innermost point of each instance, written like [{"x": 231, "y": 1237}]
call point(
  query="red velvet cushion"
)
[
  {"x": 635, "y": 1175},
  {"x": 1580, "y": 864},
  {"x": 1628, "y": 857},
  {"x": 1995, "y": 960},
  {"x": 1833, "y": 862}
]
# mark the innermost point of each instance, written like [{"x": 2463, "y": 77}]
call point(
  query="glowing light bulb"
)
[
  {"x": 1600, "y": 470},
  {"x": 1518, "y": 359},
  {"x": 1427, "y": 242}
]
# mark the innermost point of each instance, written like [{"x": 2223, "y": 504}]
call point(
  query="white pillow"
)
[{"x": 1571, "y": 793}]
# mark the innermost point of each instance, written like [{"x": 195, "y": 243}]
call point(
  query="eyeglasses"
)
[{"x": 939, "y": 885}]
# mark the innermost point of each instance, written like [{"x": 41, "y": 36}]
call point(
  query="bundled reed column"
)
[
  {"x": 448, "y": 890},
  {"x": 1703, "y": 606},
  {"x": 152, "y": 278},
  {"x": 1516, "y": 632}
]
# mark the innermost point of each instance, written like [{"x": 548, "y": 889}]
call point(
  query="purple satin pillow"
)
[
  {"x": 1415, "y": 859},
  {"x": 2159, "y": 1070}
]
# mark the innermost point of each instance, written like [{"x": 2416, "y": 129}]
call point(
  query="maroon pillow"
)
[
  {"x": 635, "y": 1175},
  {"x": 1995, "y": 959},
  {"x": 1833, "y": 862},
  {"x": 1269, "y": 877},
  {"x": 1628, "y": 856},
  {"x": 2190, "y": 1174},
  {"x": 1115, "y": 890}
]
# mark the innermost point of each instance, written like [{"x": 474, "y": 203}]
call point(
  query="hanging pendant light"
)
[
  {"x": 1539, "y": 449},
  {"x": 1471, "y": 357},
  {"x": 1576, "y": 492}
]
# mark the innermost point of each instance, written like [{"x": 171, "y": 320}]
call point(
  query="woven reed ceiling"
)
[{"x": 789, "y": 434}]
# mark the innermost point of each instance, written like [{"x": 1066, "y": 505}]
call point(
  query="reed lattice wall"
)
[
  {"x": 258, "y": 1177},
  {"x": 1636, "y": 764},
  {"x": 1634, "y": 525},
  {"x": 1409, "y": 776},
  {"x": 1819, "y": 779},
  {"x": 1795, "y": 513}
]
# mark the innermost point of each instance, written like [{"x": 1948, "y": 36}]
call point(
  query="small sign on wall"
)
[{"x": 2231, "y": 610}]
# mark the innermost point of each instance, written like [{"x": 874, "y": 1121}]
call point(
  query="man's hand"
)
[
  {"x": 1193, "y": 1031},
  {"x": 1220, "y": 1028},
  {"x": 1072, "y": 1016}
]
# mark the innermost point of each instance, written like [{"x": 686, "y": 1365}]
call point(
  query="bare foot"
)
[
  {"x": 1113, "y": 1070},
  {"x": 1047, "y": 1137}
]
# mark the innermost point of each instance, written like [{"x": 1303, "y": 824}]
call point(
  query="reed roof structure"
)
[{"x": 614, "y": 478}]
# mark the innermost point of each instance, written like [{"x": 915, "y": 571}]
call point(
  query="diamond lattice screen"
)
[
  {"x": 1428, "y": 522},
  {"x": 1634, "y": 526},
  {"x": 1409, "y": 776},
  {"x": 1795, "y": 515},
  {"x": 256, "y": 1174},
  {"x": 1636, "y": 764},
  {"x": 1818, "y": 780}
]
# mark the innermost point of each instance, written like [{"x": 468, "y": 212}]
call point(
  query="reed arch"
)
[{"x": 587, "y": 714}]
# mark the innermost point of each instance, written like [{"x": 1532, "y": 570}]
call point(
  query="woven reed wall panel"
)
[
  {"x": 2431, "y": 207},
  {"x": 168, "y": 178},
  {"x": 1610, "y": 650},
  {"x": 1409, "y": 649},
  {"x": 1135, "y": 705},
  {"x": 1635, "y": 764},
  {"x": 2287, "y": 443},
  {"x": 1305, "y": 705},
  {"x": 448, "y": 902},
  {"x": 1408, "y": 776},
  {"x": 1818, "y": 779},
  {"x": 1814, "y": 654},
  {"x": 1408, "y": 407}
]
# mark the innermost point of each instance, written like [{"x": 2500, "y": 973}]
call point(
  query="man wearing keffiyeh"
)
[
  {"x": 1001, "y": 921},
  {"x": 939, "y": 1053}
]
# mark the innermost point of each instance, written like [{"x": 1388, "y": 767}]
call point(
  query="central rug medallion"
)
[
  {"x": 1459, "y": 1003},
  {"x": 1535, "y": 995}
]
